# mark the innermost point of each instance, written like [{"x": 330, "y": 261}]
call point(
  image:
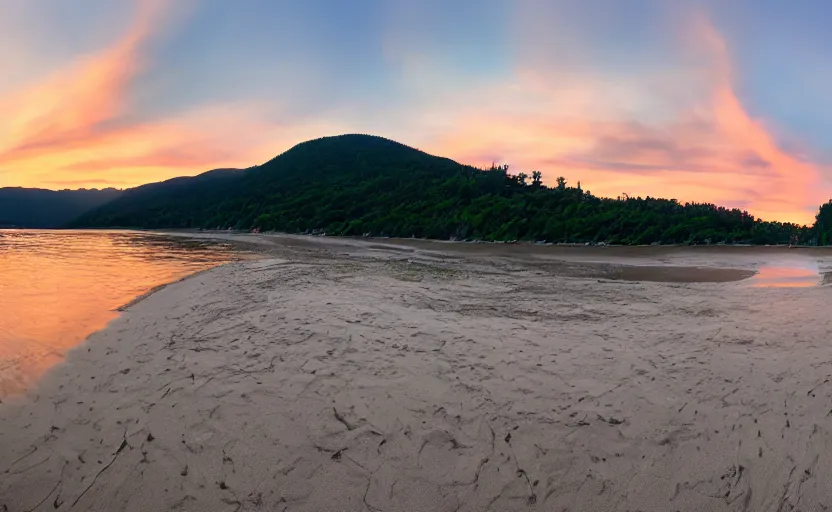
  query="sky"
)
[{"x": 722, "y": 101}]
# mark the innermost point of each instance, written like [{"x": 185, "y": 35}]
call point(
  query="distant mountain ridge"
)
[
  {"x": 211, "y": 199},
  {"x": 363, "y": 184},
  {"x": 40, "y": 208},
  {"x": 330, "y": 176},
  {"x": 166, "y": 204}
]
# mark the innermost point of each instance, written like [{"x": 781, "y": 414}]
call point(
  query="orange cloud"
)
[
  {"x": 75, "y": 128},
  {"x": 71, "y": 106},
  {"x": 793, "y": 181},
  {"x": 624, "y": 134},
  {"x": 678, "y": 131},
  {"x": 206, "y": 138}
]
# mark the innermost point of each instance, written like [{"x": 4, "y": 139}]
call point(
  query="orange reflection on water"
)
[
  {"x": 57, "y": 287},
  {"x": 785, "y": 277}
]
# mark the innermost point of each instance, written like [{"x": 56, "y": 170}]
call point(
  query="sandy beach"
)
[{"x": 337, "y": 375}]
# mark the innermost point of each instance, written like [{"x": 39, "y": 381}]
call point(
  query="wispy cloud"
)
[
  {"x": 76, "y": 103},
  {"x": 665, "y": 125},
  {"x": 78, "y": 125},
  {"x": 621, "y": 133}
]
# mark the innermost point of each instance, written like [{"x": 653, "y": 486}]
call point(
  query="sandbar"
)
[{"x": 335, "y": 375}]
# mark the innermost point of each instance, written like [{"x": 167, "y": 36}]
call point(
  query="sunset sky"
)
[{"x": 724, "y": 101}]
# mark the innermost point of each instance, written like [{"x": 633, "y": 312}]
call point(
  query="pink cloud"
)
[
  {"x": 676, "y": 131},
  {"x": 74, "y": 127},
  {"x": 620, "y": 134}
]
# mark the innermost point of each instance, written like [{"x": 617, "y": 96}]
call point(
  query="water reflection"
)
[
  {"x": 57, "y": 287},
  {"x": 786, "y": 277}
]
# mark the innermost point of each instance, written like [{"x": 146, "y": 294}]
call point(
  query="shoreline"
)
[
  {"x": 348, "y": 376},
  {"x": 520, "y": 243},
  {"x": 61, "y": 287},
  {"x": 222, "y": 234},
  {"x": 500, "y": 248},
  {"x": 629, "y": 264},
  {"x": 146, "y": 295}
]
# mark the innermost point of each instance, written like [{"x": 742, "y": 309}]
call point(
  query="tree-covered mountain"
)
[
  {"x": 359, "y": 184},
  {"x": 168, "y": 204},
  {"x": 39, "y": 208}
]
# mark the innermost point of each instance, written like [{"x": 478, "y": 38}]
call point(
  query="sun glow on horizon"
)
[{"x": 80, "y": 127}]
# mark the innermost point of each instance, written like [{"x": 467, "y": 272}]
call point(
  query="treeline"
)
[
  {"x": 494, "y": 205},
  {"x": 362, "y": 185}
]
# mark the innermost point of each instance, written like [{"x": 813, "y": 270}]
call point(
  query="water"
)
[
  {"x": 57, "y": 287},
  {"x": 786, "y": 277},
  {"x": 794, "y": 271}
]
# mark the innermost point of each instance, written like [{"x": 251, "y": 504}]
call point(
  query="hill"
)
[
  {"x": 39, "y": 208},
  {"x": 176, "y": 203},
  {"x": 359, "y": 184},
  {"x": 310, "y": 186}
]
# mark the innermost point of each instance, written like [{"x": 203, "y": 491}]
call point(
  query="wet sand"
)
[{"x": 386, "y": 376}]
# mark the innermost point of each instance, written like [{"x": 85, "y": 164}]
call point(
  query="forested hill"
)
[
  {"x": 39, "y": 208},
  {"x": 174, "y": 203},
  {"x": 358, "y": 184}
]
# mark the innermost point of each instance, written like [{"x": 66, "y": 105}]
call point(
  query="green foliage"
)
[
  {"x": 356, "y": 185},
  {"x": 823, "y": 224}
]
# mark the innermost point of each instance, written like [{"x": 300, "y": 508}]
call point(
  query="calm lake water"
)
[{"x": 57, "y": 287}]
